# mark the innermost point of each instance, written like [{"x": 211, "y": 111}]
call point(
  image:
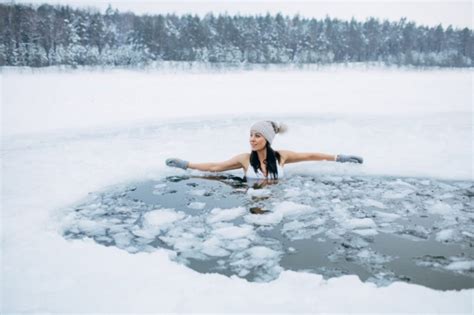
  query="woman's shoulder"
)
[
  {"x": 243, "y": 158},
  {"x": 283, "y": 155}
]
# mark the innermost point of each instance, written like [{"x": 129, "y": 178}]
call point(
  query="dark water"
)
[{"x": 413, "y": 230}]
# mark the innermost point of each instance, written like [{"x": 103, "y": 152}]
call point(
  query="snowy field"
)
[{"x": 66, "y": 134}]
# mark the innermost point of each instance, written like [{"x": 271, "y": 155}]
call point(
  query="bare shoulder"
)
[
  {"x": 242, "y": 157},
  {"x": 285, "y": 155},
  {"x": 244, "y": 160},
  {"x": 235, "y": 162}
]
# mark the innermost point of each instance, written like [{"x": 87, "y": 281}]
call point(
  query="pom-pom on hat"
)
[{"x": 268, "y": 129}]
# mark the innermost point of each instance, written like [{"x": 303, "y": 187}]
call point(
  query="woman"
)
[{"x": 263, "y": 162}]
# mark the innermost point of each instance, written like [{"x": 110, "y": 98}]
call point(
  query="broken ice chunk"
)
[
  {"x": 292, "y": 209},
  {"x": 373, "y": 203},
  {"x": 360, "y": 223},
  {"x": 260, "y": 258},
  {"x": 197, "y": 205},
  {"x": 292, "y": 192},
  {"x": 90, "y": 227},
  {"x": 445, "y": 235},
  {"x": 461, "y": 266},
  {"x": 270, "y": 218},
  {"x": 157, "y": 220},
  {"x": 234, "y": 232},
  {"x": 440, "y": 208},
  {"x": 197, "y": 192},
  {"x": 122, "y": 239},
  {"x": 366, "y": 232},
  {"x": 219, "y": 215},
  {"x": 400, "y": 194},
  {"x": 259, "y": 192},
  {"x": 386, "y": 217},
  {"x": 212, "y": 247}
]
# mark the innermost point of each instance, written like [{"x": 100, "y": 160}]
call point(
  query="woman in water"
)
[{"x": 263, "y": 162}]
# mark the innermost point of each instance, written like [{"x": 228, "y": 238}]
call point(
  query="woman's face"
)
[{"x": 257, "y": 141}]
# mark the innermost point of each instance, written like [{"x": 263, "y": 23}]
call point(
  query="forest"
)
[{"x": 48, "y": 35}]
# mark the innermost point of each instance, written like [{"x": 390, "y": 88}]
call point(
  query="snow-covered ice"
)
[{"x": 70, "y": 133}]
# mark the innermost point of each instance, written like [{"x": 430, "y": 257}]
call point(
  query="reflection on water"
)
[{"x": 381, "y": 229}]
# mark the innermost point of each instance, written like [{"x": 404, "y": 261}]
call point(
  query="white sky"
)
[{"x": 423, "y": 12}]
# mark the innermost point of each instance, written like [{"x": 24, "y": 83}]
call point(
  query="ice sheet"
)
[{"x": 73, "y": 133}]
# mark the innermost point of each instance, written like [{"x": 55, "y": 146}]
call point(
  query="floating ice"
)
[
  {"x": 198, "y": 192},
  {"x": 161, "y": 218},
  {"x": 366, "y": 232},
  {"x": 233, "y": 232},
  {"x": 445, "y": 235},
  {"x": 159, "y": 189},
  {"x": 386, "y": 217},
  {"x": 218, "y": 214},
  {"x": 440, "y": 208},
  {"x": 360, "y": 223},
  {"x": 461, "y": 266},
  {"x": 373, "y": 203},
  {"x": 293, "y": 192},
  {"x": 333, "y": 223},
  {"x": 262, "y": 260},
  {"x": 122, "y": 239},
  {"x": 212, "y": 247},
  {"x": 292, "y": 209},
  {"x": 295, "y": 230},
  {"x": 271, "y": 218},
  {"x": 261, "y": 192},
  {"x": 400, "y": 194},
  {"x": 91, "y": 227},
  {"x": 197, "y": 205}
]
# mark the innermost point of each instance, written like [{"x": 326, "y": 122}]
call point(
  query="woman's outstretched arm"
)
[
  {"x": 234, "y": 163},
  {"x": 293, "y": 157}
]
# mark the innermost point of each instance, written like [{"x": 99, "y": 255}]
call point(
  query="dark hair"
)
[{"x": 273, "y": 157}]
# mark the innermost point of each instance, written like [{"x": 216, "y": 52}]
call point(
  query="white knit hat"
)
[{"x": 268, "y": 129}]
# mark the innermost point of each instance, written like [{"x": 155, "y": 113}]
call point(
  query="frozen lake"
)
[
  {"x": 70, "y": 135},
  {"x": 381, "y": 229}
]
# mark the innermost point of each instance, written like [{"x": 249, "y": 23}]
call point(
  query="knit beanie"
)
[{"x": 268, "y": 129}]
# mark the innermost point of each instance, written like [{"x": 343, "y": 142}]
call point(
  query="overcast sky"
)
[{"x": 423, "y": 12}]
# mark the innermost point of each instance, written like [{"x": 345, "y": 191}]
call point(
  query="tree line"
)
[{"x": 46, "y": 35}]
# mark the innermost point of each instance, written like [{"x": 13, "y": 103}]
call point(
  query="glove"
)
[
  {"x": 349, "y": 158},
  {"x": 173, "y": 162}
]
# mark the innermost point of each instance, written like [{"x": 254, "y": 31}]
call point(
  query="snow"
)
[{"x": 68, "y": 133}]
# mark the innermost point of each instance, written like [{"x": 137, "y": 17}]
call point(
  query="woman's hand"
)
[
  {"x": 174, "y": 162},
  {"x": 349, "y": 158}
]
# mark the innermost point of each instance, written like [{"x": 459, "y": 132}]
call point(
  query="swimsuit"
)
[{"x": 250, "y": 174}]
